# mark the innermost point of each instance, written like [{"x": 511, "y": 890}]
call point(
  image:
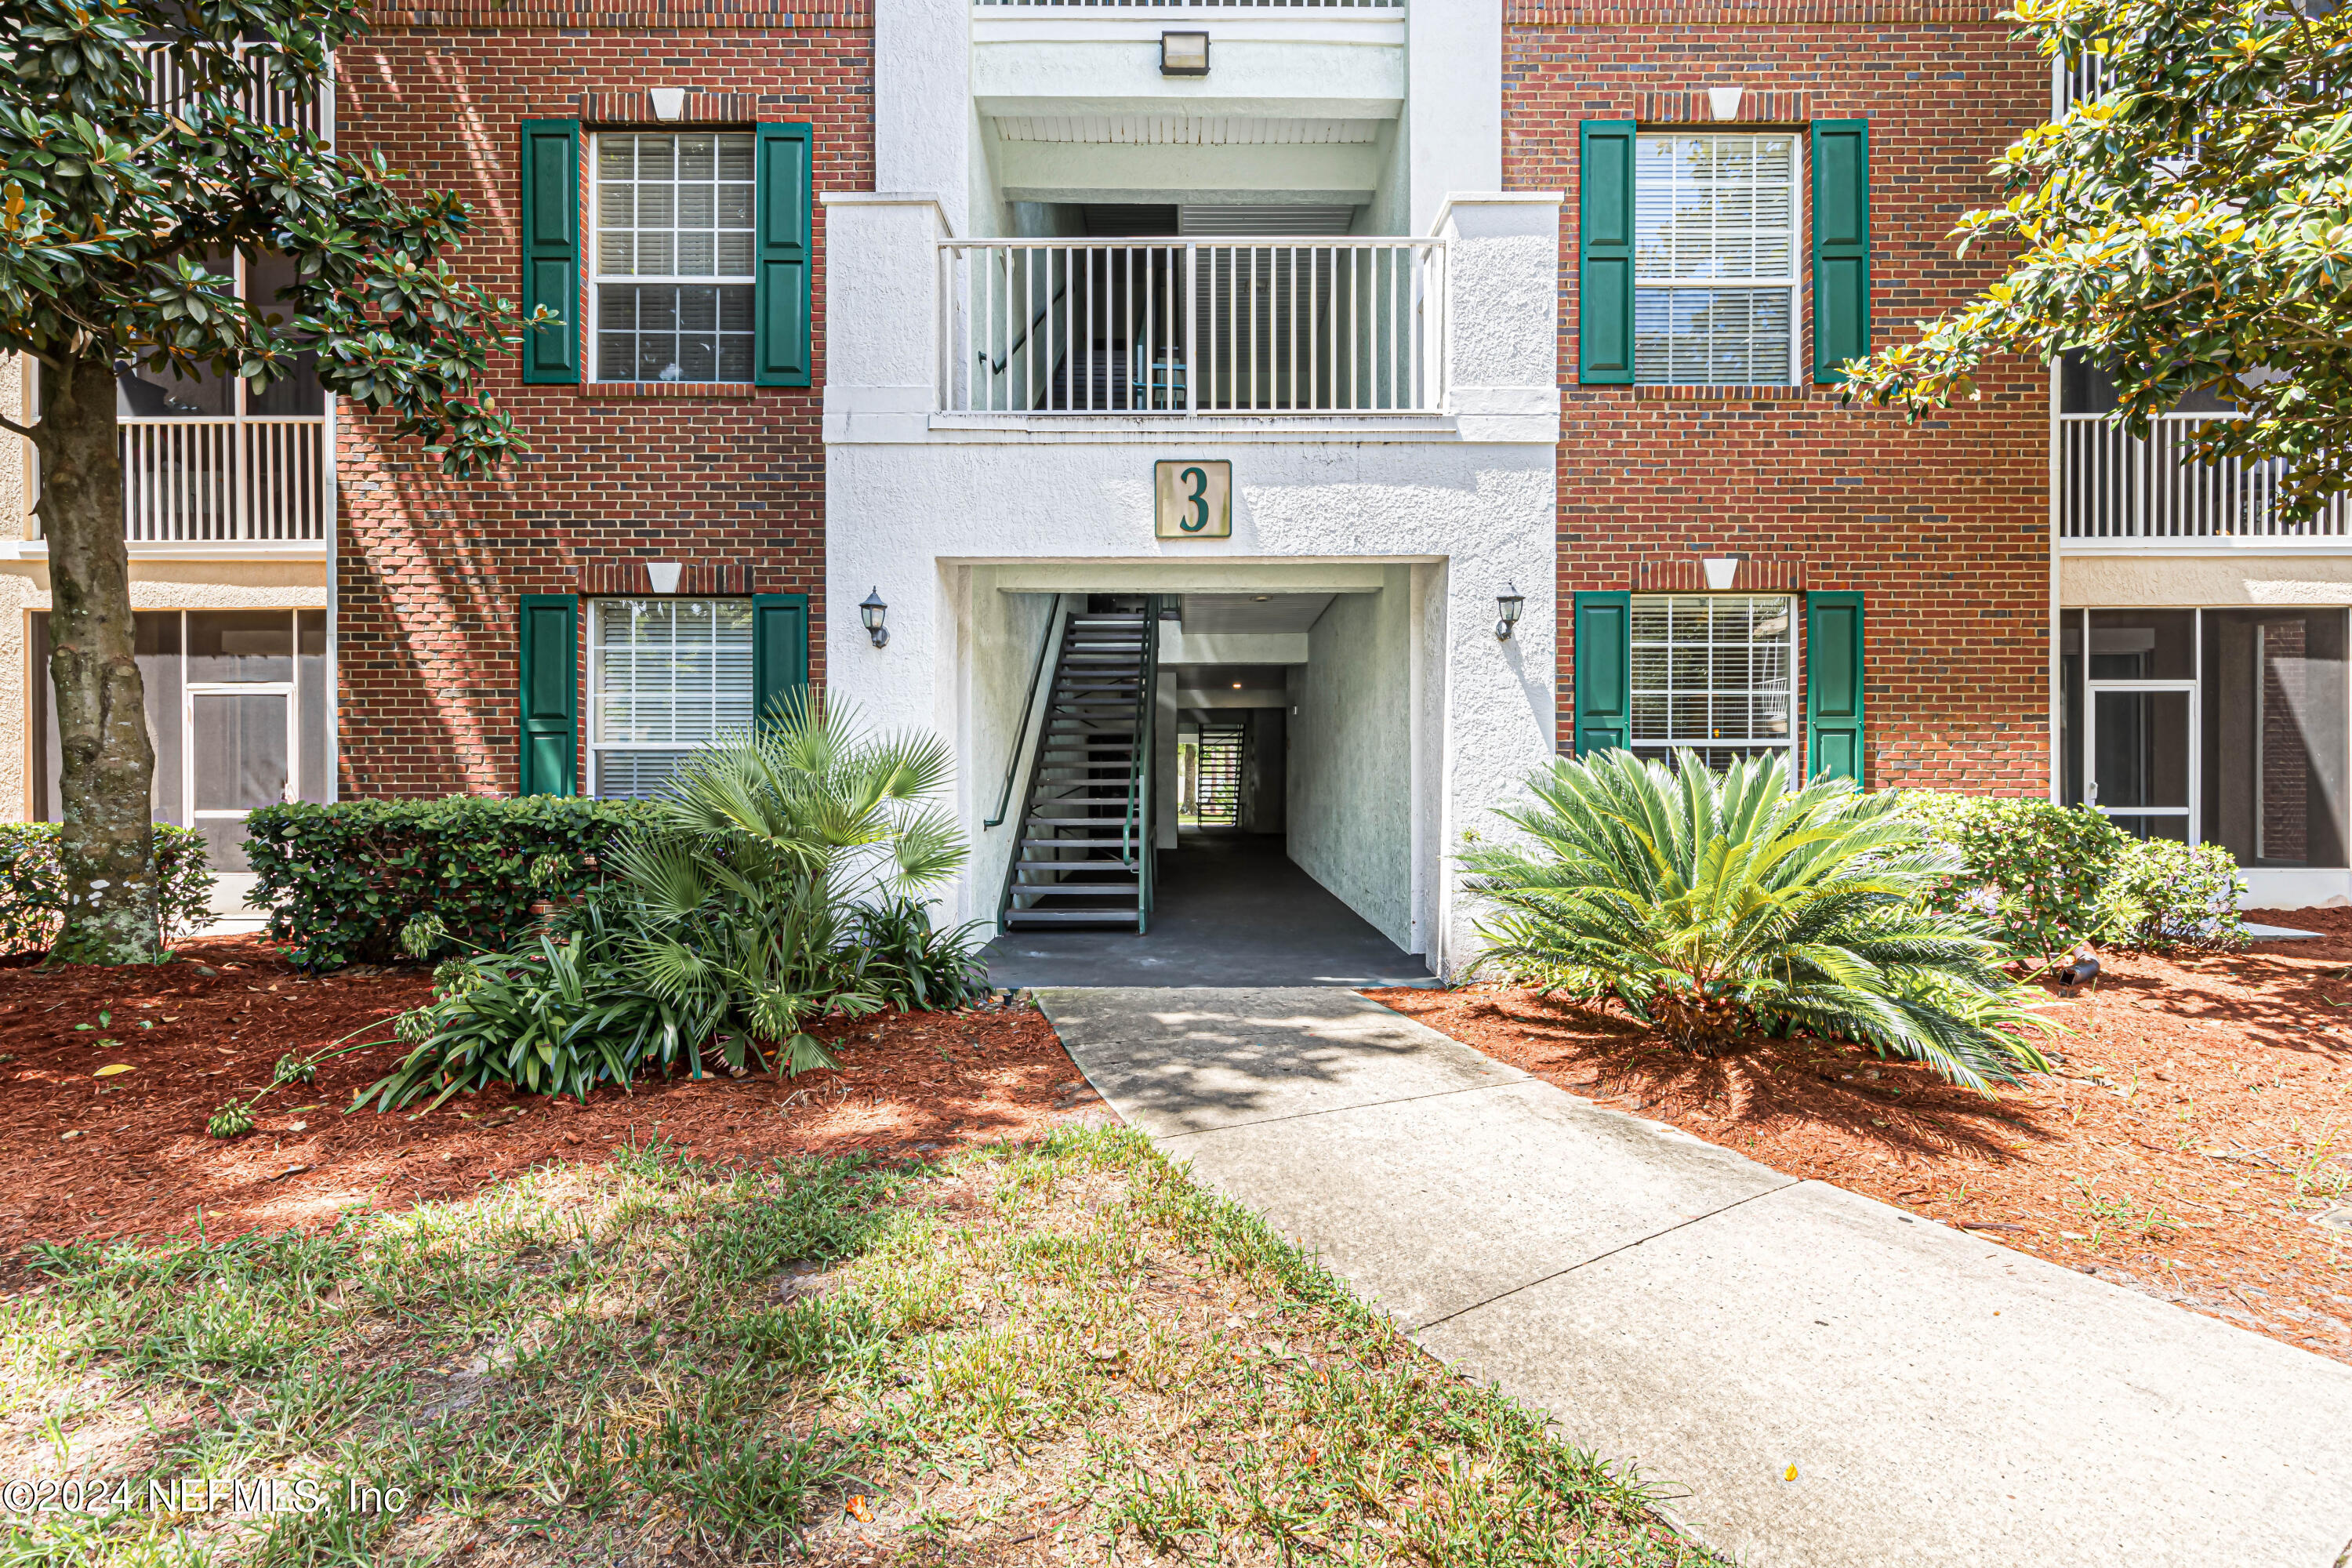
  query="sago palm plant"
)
[
  {"x": 749, "y": 872},
  {"x": 1716, "y": 906}
]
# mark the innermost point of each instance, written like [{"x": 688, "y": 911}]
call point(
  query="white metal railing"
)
[
  {"x": 1306, "y": 326},
  {"x": 167, "y": 86},
  {"x": 256, "y": 479},
  {"x": 1205, "y": 4},
  {"x": 2114, "y": 486}
]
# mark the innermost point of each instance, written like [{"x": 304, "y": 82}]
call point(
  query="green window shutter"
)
[
  {"x": 1604, "y": 252},
  {"x": 780, "y": 651},
  {"x": 551, "y": 248},
  {"x": 1603, "y": 651},
  {"x": 1841, "y": 245},
  {"x": 551, "y": 694},
  {"x": 1833, "y": 684},
  {"x": 780, "y": 311}
]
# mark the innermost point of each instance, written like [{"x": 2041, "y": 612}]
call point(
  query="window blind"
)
[
  {"x": 666, "y": 675},
  {"x": 1714, "y": 259},
  {"x": 1710, "y": 671}
]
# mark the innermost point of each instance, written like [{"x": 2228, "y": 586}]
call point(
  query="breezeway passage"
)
[{"x": 1831, "y": 1382}]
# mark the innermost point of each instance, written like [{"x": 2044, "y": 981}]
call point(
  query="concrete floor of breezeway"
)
[
  {"x": 1232, "y": 909},
  {"x": 1937, "y": 1398}
]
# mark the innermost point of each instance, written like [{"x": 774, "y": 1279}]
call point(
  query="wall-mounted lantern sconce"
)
[
  {"x": 1183, "y": 54},
  {"x": 871, "y": 611},
  {"x": 1508, "y": 606},
  {"x": 1722, "y": 571}
]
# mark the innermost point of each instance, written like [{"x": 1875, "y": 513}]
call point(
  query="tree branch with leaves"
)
[
  {"x": 133, "y": 171},
  {"x": 2187, "y": 229}
]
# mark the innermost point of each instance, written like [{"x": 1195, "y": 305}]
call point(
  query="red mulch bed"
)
[
  {"x": 2194, "y": 1171},
  {"x": 126, "y": 1155}
]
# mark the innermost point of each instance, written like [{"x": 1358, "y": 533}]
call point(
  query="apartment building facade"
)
[{"x": 1306, "y": 415}]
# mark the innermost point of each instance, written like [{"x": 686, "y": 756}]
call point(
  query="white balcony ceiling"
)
[
  {"x": 1248, "y": 615},
  {"x": 1185, "y": 129}
]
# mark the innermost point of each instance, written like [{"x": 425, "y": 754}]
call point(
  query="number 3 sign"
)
[{"x": 1195, "y": 498}]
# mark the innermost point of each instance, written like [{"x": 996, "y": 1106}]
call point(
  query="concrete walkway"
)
[{"x": 1942, "y": 1399}]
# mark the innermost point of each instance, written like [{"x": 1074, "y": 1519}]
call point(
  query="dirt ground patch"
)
[
  {"x": 127, "y": 1153},
  {"x": 2196, "y": 1142}
]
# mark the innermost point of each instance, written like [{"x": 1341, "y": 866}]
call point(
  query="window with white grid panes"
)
[
  {"x": 1711, "y": 672},
  {"x": 673, "y": 256},
  {"x": 1716, "y": 260},
  {"x": 665, "y": 676}
]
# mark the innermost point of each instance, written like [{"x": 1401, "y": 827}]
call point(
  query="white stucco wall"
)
[
  {"x": 1000, "y": 633},
  {"x": 2224, "y": 578},
  {"x": 1349, "y": 783},
  {"x": 1304, "y": 64},
  {"x": 1438, "y": 513}
]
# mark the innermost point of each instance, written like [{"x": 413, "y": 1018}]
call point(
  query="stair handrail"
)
[
  {"x": 1028, "y": 707},
  {"x": 1136, "y": 830},
  {"x": 1056, "y": 630}
]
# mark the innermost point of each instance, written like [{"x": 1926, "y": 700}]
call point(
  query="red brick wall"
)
[
  {"x": 1942, "y": 526},
  {"x": 732, "y": 485}
]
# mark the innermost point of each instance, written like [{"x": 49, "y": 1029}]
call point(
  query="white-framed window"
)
[
  {"x": 1717, "y": 260},
  {"x": 672, "y": 258},
  {"x": 1712, "y": 672},
  {"x": 665, "y": 676}
]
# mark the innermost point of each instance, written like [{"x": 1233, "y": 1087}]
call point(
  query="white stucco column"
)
[
  {"x": 882, "y": 303},
  {"x": 1494, "y": 698},
  {"x": 1503, "y": 312},
  {"x": 922, "y": 102},
  {"x": 1454, "y": 67}
]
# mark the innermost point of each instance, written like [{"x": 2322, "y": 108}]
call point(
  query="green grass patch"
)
[{"x": 1066, "y": 1351}]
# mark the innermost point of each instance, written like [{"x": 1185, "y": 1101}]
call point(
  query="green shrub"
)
[
  {"x": 33, "y": 884},
  {"x": 764, "y": 890},
  {"x": 1716, "y": 906},
  {"x": 343, "y": 882},
  {"x": 2049, "y": 877}
]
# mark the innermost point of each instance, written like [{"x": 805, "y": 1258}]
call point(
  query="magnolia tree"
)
[
  {"x": 2187, "y": 228},
  {"x": 134, "y": 167}
]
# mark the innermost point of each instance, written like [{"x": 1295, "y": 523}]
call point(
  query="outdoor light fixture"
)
[
  {"x": 1508, "y": 605},
  {"x": 1183, "y": 54},
  {"x": 871, "y": 612},
  {"x": 1722, "y": 570}
]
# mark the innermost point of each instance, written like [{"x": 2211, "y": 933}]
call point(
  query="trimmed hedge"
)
[
  {"x": 342, "y": 881},
  {"x": 33, "y": 884},
  {"x": 2050, "y": 877}
]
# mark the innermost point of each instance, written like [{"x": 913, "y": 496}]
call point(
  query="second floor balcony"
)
[
  {"x": 1160, "y": 327},
  {"x": 2116, "y": 490}
]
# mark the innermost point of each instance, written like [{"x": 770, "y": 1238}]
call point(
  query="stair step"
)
[{"x": 1069, "y": 917}]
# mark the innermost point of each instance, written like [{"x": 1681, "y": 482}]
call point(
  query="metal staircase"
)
[{"x": 1085, "y": 855}]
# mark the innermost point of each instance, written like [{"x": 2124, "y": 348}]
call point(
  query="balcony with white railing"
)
[
  {"x": 1159, "y": 329},
  {"x": 252, "y": 480},
  {"x": 2117, "y": 490}
]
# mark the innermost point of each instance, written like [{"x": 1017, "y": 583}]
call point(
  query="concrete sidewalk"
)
[{"x": 1943, "y": 1399}]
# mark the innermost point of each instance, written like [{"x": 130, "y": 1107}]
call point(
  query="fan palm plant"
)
[
  {"x": 747, "y": 878},
  {"x": 1715, "y": 906}
]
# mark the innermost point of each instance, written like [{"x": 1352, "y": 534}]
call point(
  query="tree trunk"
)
[{"x": 108, "y": 841}]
